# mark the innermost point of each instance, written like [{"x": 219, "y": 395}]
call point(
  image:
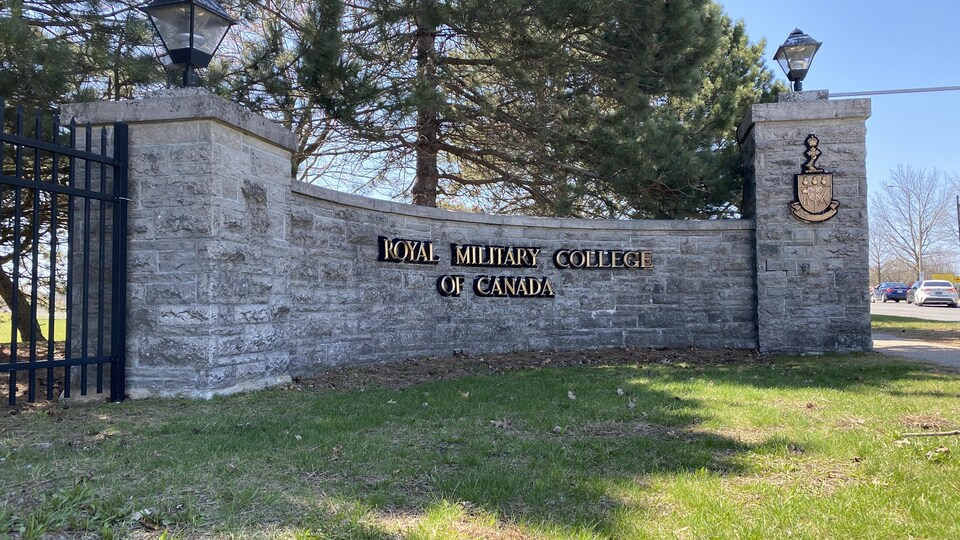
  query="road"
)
[{"x": 903, "y": 309}]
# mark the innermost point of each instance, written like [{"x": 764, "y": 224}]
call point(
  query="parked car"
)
[
  {"x": 889, "y": 290},
  {"x": 934, "y": 291}
]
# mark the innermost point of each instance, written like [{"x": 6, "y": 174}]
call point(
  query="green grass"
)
[
  {"x": 59, "y": 329},
  {"x": 776, "y": 448},
  {"x": 943, "y": 332}
]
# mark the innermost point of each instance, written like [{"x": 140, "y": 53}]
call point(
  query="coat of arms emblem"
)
[{"x": 813, "y": 188}]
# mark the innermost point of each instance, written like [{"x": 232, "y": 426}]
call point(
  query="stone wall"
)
[
  {"x": 811, "y": 276},
  {"x": 346, "y": 306},
  {"x": 240, "y": 277},
  {"x": 209, "y": 188}
]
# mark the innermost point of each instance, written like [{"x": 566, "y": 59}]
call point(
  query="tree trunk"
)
[
  {"x": 427, "y": 180},
  {"x": 22, "y": 309}
]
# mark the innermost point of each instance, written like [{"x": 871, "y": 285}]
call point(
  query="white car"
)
[{"x": 935, "y": 291}]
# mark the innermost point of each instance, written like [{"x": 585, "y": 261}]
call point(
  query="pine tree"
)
[
  {"x": 564, "y": 107},
  {"x": 59, "y": 50}
]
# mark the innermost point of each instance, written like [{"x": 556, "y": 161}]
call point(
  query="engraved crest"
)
[{"x": 813, "y": 188}]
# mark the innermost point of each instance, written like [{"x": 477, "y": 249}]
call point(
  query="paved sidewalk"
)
[{"x": 917, "y": 350}]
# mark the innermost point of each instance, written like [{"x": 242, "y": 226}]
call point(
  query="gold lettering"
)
[
  {"x": 560, "y": 256},
  {"x": 529, "y": 288},
  {"x": 616, "y": 259},
  {"x": 523, "y": 257},
  {"x": 511, "y": 258},
  {"x": 533, "y": 252},
  {"x": 480, "y": 286},
  {"x": 461, "y": 255},
  {"x": 450, "y": 285},
  {"x": 500, "y": 286},
  {"x": 576, "y": 256},
  {"x": 510, "y": 286},
  {"x": 400, "y": 250},
  {"x": 547, "y": 288},
  {"x": 385, "y": 246},
  {"x": 646, "y": 259},
  {"x": 634, "y": 257},
  {"x": 591, "y": 255},
  {"x": 422, "y": 255}
]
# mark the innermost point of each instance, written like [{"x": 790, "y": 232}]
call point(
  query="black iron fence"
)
[{"x": 62, "y": 257}]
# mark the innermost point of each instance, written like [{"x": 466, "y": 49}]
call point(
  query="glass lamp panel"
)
[
  {"x": 209, "y": 29},
  {"x": 173, "y": 25},
  {"x": 801, "y": 56},
  {"x": 781, "y": 59}
]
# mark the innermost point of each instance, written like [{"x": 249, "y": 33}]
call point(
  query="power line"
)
[{"x": 899, "y": 91}]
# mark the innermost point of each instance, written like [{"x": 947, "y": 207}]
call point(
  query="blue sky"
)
[{"x": 878, "y": 45}]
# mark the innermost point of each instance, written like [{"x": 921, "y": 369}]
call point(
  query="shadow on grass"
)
[
  {"x": 528, "y": 452},
  {"x": 554, "y": 449},
  {"x": 570, "y": 480}
]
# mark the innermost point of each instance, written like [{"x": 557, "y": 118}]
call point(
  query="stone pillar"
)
[
  {"x": 210, "y": 196},
  {"x": 811, "y": 275}
]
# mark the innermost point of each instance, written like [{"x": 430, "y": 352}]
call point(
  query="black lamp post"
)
[
  {"x": 191, "y": 31},
  {"x": 796, "y": 55}
]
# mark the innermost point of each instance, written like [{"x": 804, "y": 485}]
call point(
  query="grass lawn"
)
[
  {"x": 947, "y": 333},
  {"x": 59, "y": 327},
  {"x": 673, "y": 445}
]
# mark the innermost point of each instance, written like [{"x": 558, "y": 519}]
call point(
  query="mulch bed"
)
[{"x": 406, "y": 373}]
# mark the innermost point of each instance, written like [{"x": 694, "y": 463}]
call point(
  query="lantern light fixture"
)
[
  {"x": 795, "y": 56},
  {"x": 191, "y": 32}
]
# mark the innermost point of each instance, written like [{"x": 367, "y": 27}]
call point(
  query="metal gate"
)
[{"x": 62, "y": 257}]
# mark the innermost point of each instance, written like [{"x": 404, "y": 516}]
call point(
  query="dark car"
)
[{"x": 889, "y": 290}]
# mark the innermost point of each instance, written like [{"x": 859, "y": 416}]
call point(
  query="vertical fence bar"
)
[
  {"x": 85, "y": 301},
  {"x": 3, "y": 153},
  {"x": 35, "y": 258},
  {"x": 15, "y": 278},
  {"x": 71, "y": 217},
  {"x": 52, "y": 312},
  {"x": 26, "y": 215},
  {"x": 118, "y": 311},
  {"x": 102, "y": 260}
]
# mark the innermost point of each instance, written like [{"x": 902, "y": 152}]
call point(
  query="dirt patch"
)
[
  {"x": 407, "y": 373},
  {"x": 927, "y": 422},
  {"x": 851, "y": 423}
]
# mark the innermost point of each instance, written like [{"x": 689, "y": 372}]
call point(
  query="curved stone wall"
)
[{"x": 350, "y": 302}]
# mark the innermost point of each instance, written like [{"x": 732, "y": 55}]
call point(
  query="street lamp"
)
[
  {"x": 191, "y": 31},
  {"x": 796, "y": 55}
]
